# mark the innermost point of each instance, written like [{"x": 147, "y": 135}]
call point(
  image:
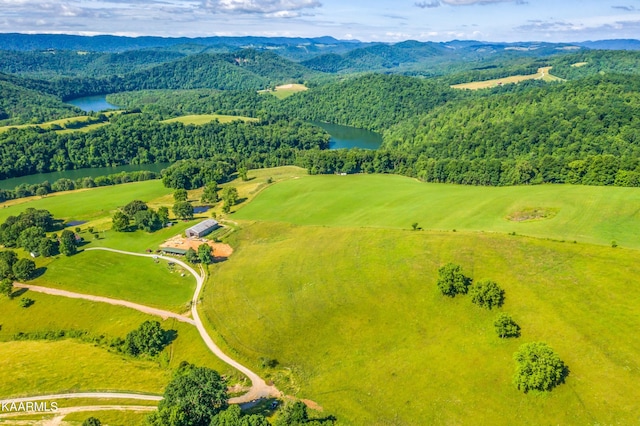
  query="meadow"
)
[
  {"x": 356, "y": 323},
  {"x": 135, "y": 279},
  {"x": 542, "y": 74},
  {"x": 286, "y": 90},
  {"x": 88, "y": 204},
  {"x": 207, "y": 118},
  {"x": 588, "y": 214},
  {"x": 70, "y": 365}
]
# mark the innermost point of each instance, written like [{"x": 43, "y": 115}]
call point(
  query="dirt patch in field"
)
[
  {"x": 533, "y": 213},
  {"x": 312, "y": 404},
  {"x": 182, "y": 243}
]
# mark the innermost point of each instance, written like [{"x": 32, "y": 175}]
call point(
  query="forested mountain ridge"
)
[
  {"x": 20, "y": 104},
  {"x": 66, "y": 63}
]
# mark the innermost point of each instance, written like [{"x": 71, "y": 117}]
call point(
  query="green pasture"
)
[
  {"x": 200, "y": 119},
  {"x": 132, "y": 278},
  {"x": 89, "y": 204},
  {"x": 68, "y": 365},
  {"x": 39, "y": 367},
  {"x": 354, "y": 318},
  {"x": 583, "y": 213}
]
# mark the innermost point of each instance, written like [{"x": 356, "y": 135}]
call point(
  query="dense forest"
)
[
  {"x": 582, "y": 130},
  {"x": 138, "y": 139}
]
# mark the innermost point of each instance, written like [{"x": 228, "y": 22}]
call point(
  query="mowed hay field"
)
[
  {"x": 542, "y": 74},
  {"x": 590, "y": 214},
  {"x": 69, "y": 365},
  {"x": 357, "y": 324}
]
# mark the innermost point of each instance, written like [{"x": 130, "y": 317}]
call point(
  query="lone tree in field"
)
[
  {"x": 451, "y": 280},
  {"x": 538, "y": 367},
  {"x": 506, "y": 327},
  {"x": 487, "y": 294},
  {"x": 192, "y": 398},
  {"x": 148, "y": 339}
]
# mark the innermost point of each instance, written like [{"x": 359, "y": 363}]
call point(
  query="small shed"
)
[{"x": 201, "y": 229}]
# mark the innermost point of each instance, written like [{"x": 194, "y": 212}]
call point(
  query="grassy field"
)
[
  {"x": 286, "y": 90},
  {"x": 583, "y": 213},
  {"x": 39, "y": 367},
  {"x": 207, "y": 118},
  {"x": 42, "y": 370},
  {"x": 542, "y": 74},
  {"x": 356, "y": 322},
  {"x": 87, "y": 126},
  {"x": 135, "y": 279},
  {"x": 579, "y": 64},
  {"x": 88, "y": 204}
]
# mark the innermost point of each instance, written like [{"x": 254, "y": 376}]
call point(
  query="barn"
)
[{"x": 201, "y": 229}]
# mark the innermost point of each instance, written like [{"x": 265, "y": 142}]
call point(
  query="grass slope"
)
[
  {"x": 81, "y": 123},
  {"x": 584, "y": 213},
  {"x": 88, "y": 204},
  {"x": 542, "y": 74},
  {"x": 70, "y": 365},
  {"x": 135, "y": 279},
  {"x": 207, "y": 118},
  {"x": 357, "y": 324}
]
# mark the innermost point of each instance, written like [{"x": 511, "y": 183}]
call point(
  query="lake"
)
[
  {"x": 95, "y": 103},
  {"x": 341, "y": 136},
  {"x": 350, "y": 137},
  {"x": 79, "y": 173}
]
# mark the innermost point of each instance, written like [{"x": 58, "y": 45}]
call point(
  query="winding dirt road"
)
[
  {"x": 259, "y": 388},
  {"x": 146, "y": 309}
]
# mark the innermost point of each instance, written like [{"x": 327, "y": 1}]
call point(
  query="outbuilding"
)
[{"x": 201, "y": 229}]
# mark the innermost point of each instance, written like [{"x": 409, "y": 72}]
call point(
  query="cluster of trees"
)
[
  {"x": 197, "y": 396},
  {"x": 204, "y": 255},
  {"x": 29, "y": 231},
  {"x": 538, "y": 367},
  {"x": 12, "y": 267},
  {"x": 138, "y": 215}
]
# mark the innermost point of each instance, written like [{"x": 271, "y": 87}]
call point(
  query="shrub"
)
[
  {"x": 25, "y": 302},
  {"x": 506, "y": 327}
]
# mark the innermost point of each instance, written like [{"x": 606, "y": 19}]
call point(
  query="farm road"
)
[
  {"x": 146, "y": 309},
  {"x": 259, "y": 388}
]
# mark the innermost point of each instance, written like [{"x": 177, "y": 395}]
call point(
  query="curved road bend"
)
[{"x": 259, "y": 388}]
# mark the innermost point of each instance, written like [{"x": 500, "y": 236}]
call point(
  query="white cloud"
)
[{"x": 271, "y": 7}]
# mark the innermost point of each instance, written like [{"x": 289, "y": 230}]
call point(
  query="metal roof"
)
[{"x": 203, "y": 226}]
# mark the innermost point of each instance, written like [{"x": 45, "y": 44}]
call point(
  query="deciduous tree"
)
[{"x": 538, "y": 367}]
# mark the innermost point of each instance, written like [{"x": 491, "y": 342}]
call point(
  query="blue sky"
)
[{"x": 367, "y": 20}]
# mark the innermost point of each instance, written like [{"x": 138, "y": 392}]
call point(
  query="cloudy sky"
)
[{"x": 367, "y": 20}]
